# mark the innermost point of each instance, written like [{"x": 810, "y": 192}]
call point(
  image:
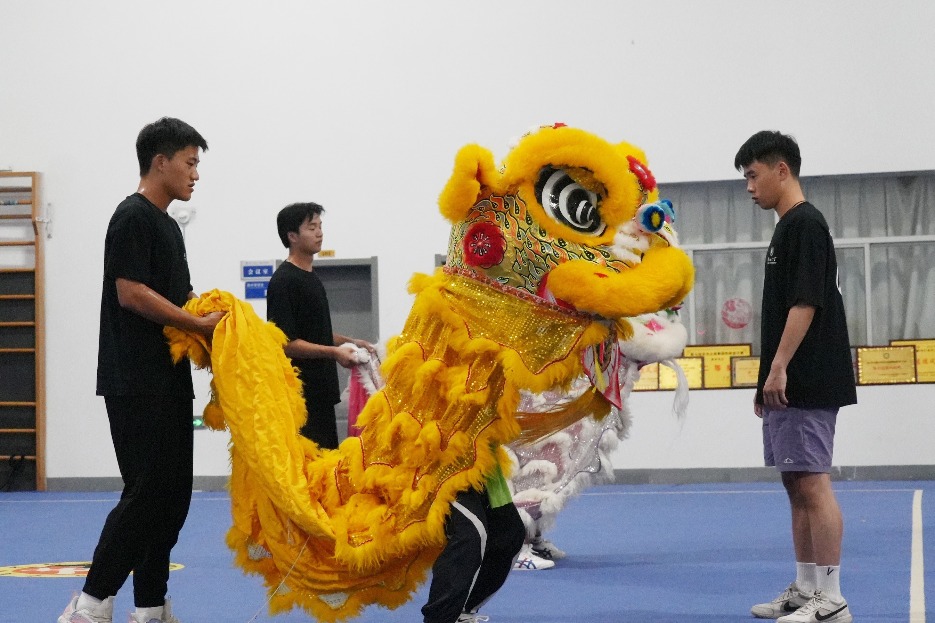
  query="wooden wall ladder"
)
[{"x": 22, "y": 343}]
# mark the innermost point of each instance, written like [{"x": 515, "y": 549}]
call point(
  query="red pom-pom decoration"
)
[{"x": 484, "y": 245}]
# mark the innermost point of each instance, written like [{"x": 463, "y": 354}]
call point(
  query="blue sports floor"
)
[{"x": 640, "y": 554}]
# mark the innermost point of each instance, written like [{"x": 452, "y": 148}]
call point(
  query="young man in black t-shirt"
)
[
  {"x": 297, "y": 303},
  {"x": 806, "y": 375},
  {"x": 148, "y": 398}
]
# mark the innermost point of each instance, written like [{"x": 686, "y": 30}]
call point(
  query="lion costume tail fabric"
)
[{"x": 335, "y": 530}]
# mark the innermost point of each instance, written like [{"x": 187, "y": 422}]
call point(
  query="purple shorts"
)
[{"x": 799, "y": 440}]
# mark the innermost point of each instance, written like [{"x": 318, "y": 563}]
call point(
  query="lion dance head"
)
[{"x": 570, "y": 218}]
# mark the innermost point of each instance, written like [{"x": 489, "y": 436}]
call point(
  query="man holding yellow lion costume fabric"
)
[{"x": 547, "y": 255}]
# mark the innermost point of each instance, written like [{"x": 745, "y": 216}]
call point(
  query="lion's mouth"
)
[
  {"x": 628, "y": 247},
  {"x": 642, "y": 261}
]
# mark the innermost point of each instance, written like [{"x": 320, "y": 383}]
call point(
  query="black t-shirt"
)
[
  {"x": 801, "y": 267},
  {"x": 143, "y": 244},
  {"x": 297, "y": 303}
]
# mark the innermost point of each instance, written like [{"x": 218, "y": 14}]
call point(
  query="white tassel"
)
[{"x": 680, "y": 402}]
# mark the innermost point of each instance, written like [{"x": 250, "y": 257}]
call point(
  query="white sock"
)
[
  {"x": 805, "y": 577},
  {"x": 86, "y": 602},
  {"x": 95, "y": 605},
  {"x": 148, "y": 614},
  {"x": 829, "y": 581}
]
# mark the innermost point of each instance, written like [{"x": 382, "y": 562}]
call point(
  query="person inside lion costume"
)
[{"x": 548, "y": 254}]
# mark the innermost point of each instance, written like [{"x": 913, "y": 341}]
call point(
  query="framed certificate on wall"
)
[
  {"x": 717, "y": 367},
  {"x": 886, "y": 365},
  {"x": 649, "y": 378},
  {"x": 925, "y": 358},
  {"x": 744, "y": 371},
  {"x": 693, "y": 367}
]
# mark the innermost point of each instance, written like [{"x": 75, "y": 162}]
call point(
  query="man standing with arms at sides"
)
[
  {"x": 298, "y": 304},
  {"x": 806, "y": 374},
  {"x": 148, "y": 398}
]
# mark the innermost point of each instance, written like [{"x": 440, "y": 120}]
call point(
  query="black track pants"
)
[{"x": 482, "y": 544}]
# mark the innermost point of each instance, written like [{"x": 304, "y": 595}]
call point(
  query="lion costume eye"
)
[{"x": 568, "y": 202}]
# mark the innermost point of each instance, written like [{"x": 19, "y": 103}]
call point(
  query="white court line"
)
[
  {"x": 592, "y": 492},
  {"x": 737, "y": 492},
  {"x": 112, "y": 500},
  {"x": 917, "y": 569}
]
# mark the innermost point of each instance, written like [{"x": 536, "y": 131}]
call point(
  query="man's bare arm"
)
[
  {"x": 797, "y": 324},
  {"x": 301, "y": 349},
  {"x": 146, "y": 302}
]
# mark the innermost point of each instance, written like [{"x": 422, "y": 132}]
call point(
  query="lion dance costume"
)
[{"x": 546, "y": 256}]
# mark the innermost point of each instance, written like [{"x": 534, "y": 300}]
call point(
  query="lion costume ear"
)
[
  {"x": 474, "y": 171},
  {"x": 629, "y": 149}
]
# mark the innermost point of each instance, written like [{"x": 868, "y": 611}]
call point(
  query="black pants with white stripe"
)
[{"x": 482, "y": 543}]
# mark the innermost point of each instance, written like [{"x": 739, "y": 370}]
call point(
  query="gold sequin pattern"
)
[
  {"x": 541, "y": 335},
  {"x": 531, "y": 251}
]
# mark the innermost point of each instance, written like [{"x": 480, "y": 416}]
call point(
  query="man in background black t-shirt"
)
[
  {"x": 806, "y": 375},
  {"x": 148, "y": 398},
  {"x": 297, "y": 303}
]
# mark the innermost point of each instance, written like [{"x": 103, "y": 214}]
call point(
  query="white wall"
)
[{"x": 362, "y": 105}]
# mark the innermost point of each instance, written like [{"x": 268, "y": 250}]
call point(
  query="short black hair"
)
[
  {"x": 292, "y": 216},
  {"x": 769, "y": 147},
  {"x": 165, "y": 136}
]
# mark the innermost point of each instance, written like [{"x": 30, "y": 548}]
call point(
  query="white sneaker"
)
[
  {"x": 820, "y": 609},
  {"x": 527, "y": 561},
  {"x": 472, "y": 617},
  {"x": 167, "y": 616},
  {"x": 543, "y": 548},
  {"x": 103, "y": 613},
  {"x": 787, "y": 602}
]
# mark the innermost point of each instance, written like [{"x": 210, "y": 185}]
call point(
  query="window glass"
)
[
  {"x": 727, "y": 295},
  {"x": 854, "y": 292},
  {"x": 714, "y": 212},
  {"x": 865, "y": 206},
  {"x": 903, "y": 291},
  {"x": 858, "y": 208}
]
